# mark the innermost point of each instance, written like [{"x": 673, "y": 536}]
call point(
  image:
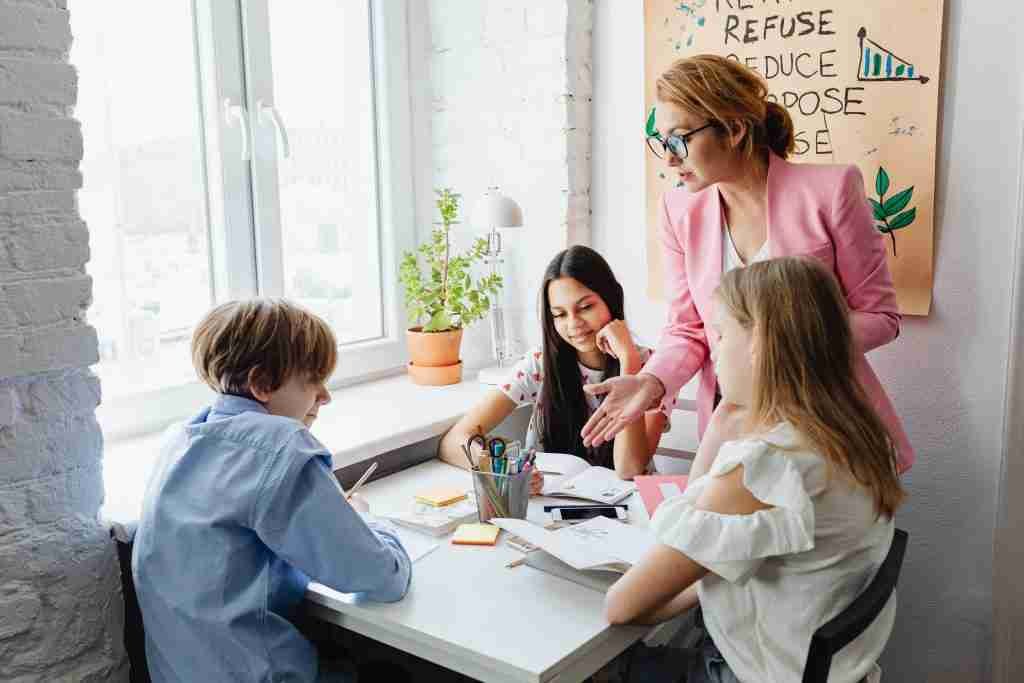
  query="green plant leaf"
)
[
  {"x": 883, "y": 228},
  {"x": 438, "y": 322},
  {"x": 882, "y": 182},
  {"x": 897, "y": 202},
  {"x": 877, "y": 210},
  {"x": 651, "y": 127},
  {"x": 903, "y": 220},
  {"x": 443, "y": 292}
]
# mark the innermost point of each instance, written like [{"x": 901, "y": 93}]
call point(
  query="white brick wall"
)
[
  {"x": 60, "y": 603},
  {"x": 506, "y": 87}
]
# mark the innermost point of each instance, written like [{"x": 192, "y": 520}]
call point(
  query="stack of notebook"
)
[{"x": 437, "y": 512}]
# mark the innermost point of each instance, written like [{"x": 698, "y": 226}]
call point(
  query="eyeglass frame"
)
[{"x": 666, "y": 143}]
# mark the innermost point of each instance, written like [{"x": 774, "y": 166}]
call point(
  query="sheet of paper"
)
[
  {"x": 599, "y": 484},
  {"x": 416, "y": 544},
  {"x": 569, "y": 549},
  {"x": 626, "y": 543},
  {"x": 557, "y": 468}
]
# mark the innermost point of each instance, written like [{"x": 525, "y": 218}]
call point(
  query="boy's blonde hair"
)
[
  {"x": 274, "y": 337},
  {"x": 804, "y": 368}
]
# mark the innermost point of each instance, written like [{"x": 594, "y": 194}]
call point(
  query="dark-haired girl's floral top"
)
[{"x": 526, "y": 377}]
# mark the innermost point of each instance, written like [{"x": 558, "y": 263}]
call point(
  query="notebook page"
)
[
  {"x": 558, "y": 468},
  {"x": 599, "y": 484},
  {"x": 627, "y": 543},
  {"x": 574, "y": 551},
  {"x": 415, "y": 544}
]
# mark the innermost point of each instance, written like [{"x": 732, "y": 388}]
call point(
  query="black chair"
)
[
  {"x": 134, "y": 634},
  {"x": 854, "y": 620}
]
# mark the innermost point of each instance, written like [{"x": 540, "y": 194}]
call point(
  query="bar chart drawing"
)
[{"x": 878, "y": 63}]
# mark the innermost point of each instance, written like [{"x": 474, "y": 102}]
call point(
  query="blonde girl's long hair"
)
[{"x": 804, "y": 369}]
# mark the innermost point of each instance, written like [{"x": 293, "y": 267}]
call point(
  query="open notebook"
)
[
  {"x": 569, "y": 476},
  {"x": 599, "y": 543}
]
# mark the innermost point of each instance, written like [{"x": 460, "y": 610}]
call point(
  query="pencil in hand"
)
[{"x": 362, "y": 480}]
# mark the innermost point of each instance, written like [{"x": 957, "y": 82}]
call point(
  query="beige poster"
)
[{"x": 860, "y": 80}]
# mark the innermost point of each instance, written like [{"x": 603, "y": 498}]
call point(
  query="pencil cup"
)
[{"x": 501, "y": 495}]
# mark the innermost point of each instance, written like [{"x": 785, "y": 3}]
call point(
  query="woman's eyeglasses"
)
[{"x": 674, "y": 144}]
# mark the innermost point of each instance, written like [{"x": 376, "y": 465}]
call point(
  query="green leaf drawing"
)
[
  {"x": 885, "y": 209},
  {"x": 897, "y": 202},
  {"x": 651, "y": 128},
  {"x": 881, "y": 182},
  {"x": 877, "y": 209},
  {"x": 903, "y": 220}
]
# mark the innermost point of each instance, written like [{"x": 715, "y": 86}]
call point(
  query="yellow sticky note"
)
[
  {"x": 476, "y": 534},
  {"x": 440, "y": 496}
]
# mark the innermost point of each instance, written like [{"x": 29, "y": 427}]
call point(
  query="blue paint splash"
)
[{"x": 689, "y": 10}]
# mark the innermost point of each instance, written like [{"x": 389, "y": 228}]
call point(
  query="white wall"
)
[
  {"x": 946, "y": 372},
  {"x": 503, "y": 98},
  {"x": 60, "y": 603}
]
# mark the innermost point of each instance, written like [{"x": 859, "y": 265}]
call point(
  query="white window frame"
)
[{"x": 246, "y": 260}]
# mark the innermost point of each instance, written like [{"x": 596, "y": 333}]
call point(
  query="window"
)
[{"x": 235, "y": 149}]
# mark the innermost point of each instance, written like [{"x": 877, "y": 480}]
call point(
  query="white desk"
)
[{"x": 466, "y": 611}]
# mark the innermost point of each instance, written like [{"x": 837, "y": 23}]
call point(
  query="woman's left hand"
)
[{"x": 615, "y": 340}]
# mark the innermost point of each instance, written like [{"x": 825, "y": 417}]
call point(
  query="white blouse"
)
[
  {"x": 779, "y": 574},
  {"x": 731, "y": 257}
]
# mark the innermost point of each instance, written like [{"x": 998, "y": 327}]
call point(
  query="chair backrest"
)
[
  {"x": 854, "y": 620},
  {"x": 134, "y": 633}
]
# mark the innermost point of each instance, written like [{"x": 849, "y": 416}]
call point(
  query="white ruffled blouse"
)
[{"x": 779, "y": 574}]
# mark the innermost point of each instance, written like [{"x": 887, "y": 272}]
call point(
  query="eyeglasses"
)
[{"x": 673, "y": 144}]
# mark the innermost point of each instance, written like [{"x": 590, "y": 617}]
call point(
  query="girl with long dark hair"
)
[{"x": 585, "y": 340}]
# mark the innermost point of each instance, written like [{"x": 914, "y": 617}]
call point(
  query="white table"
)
[{"x": 466, "y": 611}]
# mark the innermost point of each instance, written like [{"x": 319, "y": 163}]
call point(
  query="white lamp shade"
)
[{"x": 495, "y": 210}]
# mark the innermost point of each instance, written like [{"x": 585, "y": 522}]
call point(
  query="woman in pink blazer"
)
[{"x": 739, "y": 201}]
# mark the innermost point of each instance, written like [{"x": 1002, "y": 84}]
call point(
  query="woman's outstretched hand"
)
[{"x": 626, "y": 398}]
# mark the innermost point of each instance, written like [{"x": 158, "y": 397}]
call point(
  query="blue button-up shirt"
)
[{"x": 241, "y": 510}]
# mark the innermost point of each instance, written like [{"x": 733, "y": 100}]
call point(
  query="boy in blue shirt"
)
[{"x": 243, "y": 509}]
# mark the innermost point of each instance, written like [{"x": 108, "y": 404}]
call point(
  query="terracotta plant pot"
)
[
  {"x": 434, "y": 349},
  {"x": 435, "y": 357},
  {"x": 437, "y": 376}
]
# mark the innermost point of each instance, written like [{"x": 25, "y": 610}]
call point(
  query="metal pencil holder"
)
[{"x": 501, "y": 495}]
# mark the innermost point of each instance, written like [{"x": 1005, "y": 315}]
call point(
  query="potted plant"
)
[{"x": 442, "y": 297}]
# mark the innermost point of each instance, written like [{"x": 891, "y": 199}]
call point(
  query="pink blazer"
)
[{"x": 814, "y": 210}]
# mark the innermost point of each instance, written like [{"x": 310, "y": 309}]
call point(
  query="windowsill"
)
[{"x": 365, "y": 420}]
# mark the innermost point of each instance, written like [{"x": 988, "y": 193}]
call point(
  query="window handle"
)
[
  {"x": 269, "y": 111},
  {"x": 233, "y": 113}
]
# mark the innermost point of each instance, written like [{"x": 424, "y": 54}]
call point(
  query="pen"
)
[{"x": 362, "y": 480}]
